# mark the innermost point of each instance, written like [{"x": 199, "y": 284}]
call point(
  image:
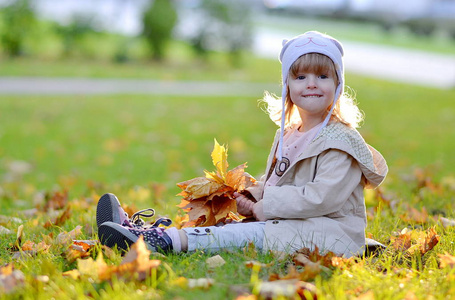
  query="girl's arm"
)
[{"x": 337, "y": 176}]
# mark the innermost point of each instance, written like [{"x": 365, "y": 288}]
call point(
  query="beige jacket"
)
[{"x": 319, "y": 200}]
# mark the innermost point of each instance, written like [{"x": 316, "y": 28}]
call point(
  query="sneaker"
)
[
  {"x": 110, "y": 210},
  {"x": 112, "y": 234}
]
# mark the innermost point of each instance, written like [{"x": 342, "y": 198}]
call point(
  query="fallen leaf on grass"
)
[
  {"x": 66, "y": 238},
  {"x": 424, "y": 178},
  {"x": 31, "y": 246},
  {"x": 194, "y": 283},
  {"x": 10, "y": 279},
  {"x": 201, "y": 283},
  {"x": 4, "y": 230},
  {"x": 83, "y": 245},
  {"x": 210, "y": 200},
  {"x": 136, "y": 264},
  {"x": 254, "y": 264},
  {"x": 215, "y": 261},
  {"x": 366, "y": 296},
  {"x": 56, "y": 200},
  {"x": 247, "y": 297},
  {"x": 314, "y": 256},
  {"x": 4, "y": 220},
  {"x": 79, "y": 249},
  {"x": 60, "y": 219},
  {"x": 415, "y": 241},
  {"x": 288, "y": 289},
  {"x": 19, "y": 236},
  {"x": 413, "y": 215},
  {"x": 446, "y": 260},
  {"x": 446, "y": 222}
]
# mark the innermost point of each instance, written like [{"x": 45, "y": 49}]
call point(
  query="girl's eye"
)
[
  {"x": 323, "y": 76},
  {"x": 301, "y": 77}
]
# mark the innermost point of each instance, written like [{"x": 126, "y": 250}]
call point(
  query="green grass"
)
[{"x": 139, "y": 147}]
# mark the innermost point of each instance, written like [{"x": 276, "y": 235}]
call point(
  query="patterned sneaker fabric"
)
[
  {"x": 110, "y": 210},
  {"x": 112, "y": 234}
]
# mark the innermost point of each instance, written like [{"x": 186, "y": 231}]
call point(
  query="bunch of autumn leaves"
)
[{"x": 210, "y": 200}]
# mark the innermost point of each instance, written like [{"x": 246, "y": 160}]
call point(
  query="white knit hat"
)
[{"x": 309, "y": 42}]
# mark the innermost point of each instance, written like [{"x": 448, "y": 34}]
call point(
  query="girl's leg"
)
[{"x": 215, "y": 238}]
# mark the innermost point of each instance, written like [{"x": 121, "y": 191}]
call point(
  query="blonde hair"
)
[{"x": 345, "y": 110}]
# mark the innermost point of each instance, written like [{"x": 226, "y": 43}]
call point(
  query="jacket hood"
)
[
  {"x": 341, "y": 137},
  {"x": 349, "y": 140}
]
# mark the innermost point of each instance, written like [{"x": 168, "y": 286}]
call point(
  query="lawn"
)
[{"x": 64, "y": 152}]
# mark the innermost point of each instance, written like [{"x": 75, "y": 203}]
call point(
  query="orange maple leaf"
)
[
  {"x": 210, "y": 200},
  {"x": 415, "y": 241},
  {"x": 446, "y": 260}
]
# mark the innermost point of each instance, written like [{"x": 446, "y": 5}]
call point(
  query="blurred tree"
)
[
  {"x": 73, "y": 33},
  {"x": 224, "y": 25},
  {"x": 18, "y": 22},
  {"x": 158, "y": 22}
]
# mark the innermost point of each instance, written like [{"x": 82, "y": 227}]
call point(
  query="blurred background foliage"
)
[
  {"x": 224, "y": 25},
  {"x": 205, "y": 26}
]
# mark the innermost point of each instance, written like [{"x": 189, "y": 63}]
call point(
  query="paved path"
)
[{"x": 80, "y": 86}]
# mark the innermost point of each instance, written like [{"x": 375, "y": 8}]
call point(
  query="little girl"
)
[{"x": 312, "y": 192}]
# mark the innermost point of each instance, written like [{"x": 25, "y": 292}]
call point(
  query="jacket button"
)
[
  {"x": 196, "y": 230},
  {"x": 275, "y": 222},
  {"x": 207, "y": 230}
]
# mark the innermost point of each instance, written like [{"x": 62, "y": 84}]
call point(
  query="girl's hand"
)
[
  {"x": 258, "y": 211},
  {"x": 244, "y": 205}
]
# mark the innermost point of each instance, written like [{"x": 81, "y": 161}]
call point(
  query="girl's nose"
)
[{"x": 311, "y": 83}]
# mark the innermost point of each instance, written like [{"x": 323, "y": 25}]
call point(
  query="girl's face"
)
[{"x": 312, "y": 89}]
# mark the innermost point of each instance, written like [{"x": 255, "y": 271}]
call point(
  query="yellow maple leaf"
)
[
  {"x": 219, "y": 159},
  {"x": 198, "y": 187}
]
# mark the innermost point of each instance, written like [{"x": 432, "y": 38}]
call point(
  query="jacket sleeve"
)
[{"x": 336, "y": 177}]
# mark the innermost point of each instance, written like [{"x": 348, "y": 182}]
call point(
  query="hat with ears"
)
[{"x": 309, "y": 42}]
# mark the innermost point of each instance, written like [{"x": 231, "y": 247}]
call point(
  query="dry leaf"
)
[
  {"x": 4, "y": 220},
  {"x": 315, "y": 256},
  {"x": 19, "y": 236},
  {"x": 247, "y": 297},
  {"x": 447, "y": 222},
  {"x": 75, "y": 274},
  {"x": 135, "y": 265},
  {"x": 210, "y": 200},
  {"x": 366, "y": 296},
  {"x": 413, "y": 215},
  {"x": 10, "y": 279},
  {"x": 446, "y": 260},
  {"x": 4, "y": 230},
  {"x": 415, "y": 241},
  {"x": 79, "y": 249},
  {"x": 66, "y": 238},
  {"x": 94, "y": 269},
  {"x": 250, "y": 251},
  {"x": 215, "y": 261},
  {"x": 288, "y": 288},
  {"x": 60, "y": 220},
  {"x": 56, "y": 201},
  {"x": 202, "y": 283},
  {"x": 35, "y": 248}
]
